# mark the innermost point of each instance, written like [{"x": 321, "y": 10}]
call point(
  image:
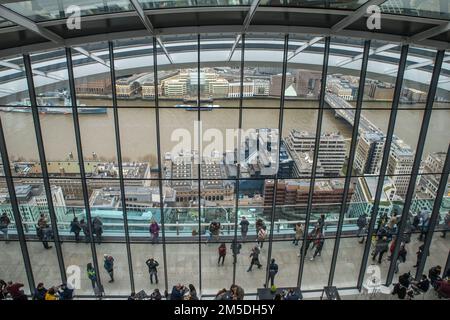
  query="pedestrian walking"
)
[
  {"x": 381, "y": 248},
  {"x": 222, "y": 253},
  {"x": 254, "y": 255},
  {"x": 273, "y": 270},
  {"x": 152, "y": 265},
  {"x": 262, "y": 234},
  {"x": 318, "y": 244},
  {"x": 108, "y": 264},
  {"x": 258, "y": 225},
  {"x": 309, "y": 239},
  {"x": 299, "y": 229},
  {"x": 401, "y": 257}
]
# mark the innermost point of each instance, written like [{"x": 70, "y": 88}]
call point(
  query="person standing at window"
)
[
  {"x": 152, "y": 265},
  {"x": 154, "y": 231},
  {"x": 97, "y": 226},
  {"x": 92, "y": 275},
  {"x": 108, "y": 264},
  {"x": 75, "y": 228},
  {"x": 244, "y": 227},
  {"x": 4, "y": 223}
]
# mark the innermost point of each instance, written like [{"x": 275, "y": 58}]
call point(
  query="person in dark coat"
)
[
  {"x": 39, "y": 292},
  {"x": 15, "y": 291},
  {"x": 97, "y": 227},
  {"x": 65, "y": 292},
  {"x": 254, "y": 255},
  {"x": 152, "y": 265},
  {"x": 84, "y": 226},
  {"x": 156, "y": 295},
  {"x": 435, "y": 275},
  {"x": 273, "y": 270},
  {"x": 222, "y": 253},
  {"x": 178, "y": 292},
  {"x": 4, "y": 223},
  {"x": 419, "y": 254},
  {"x": 75, "y": 228},
  {"x": 108, "y": 264},
  {"x": 244, "y": 227},
  {"x": 381, "y": 248}
]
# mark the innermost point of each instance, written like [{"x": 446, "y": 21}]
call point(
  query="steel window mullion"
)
[
  {"x": 199, "y": 159},
  {"x": 76, "y": 123},
  {"x": 417, "y": 161},
  {"x": 316, "y": 155},
  {"x": 119, "y": 163},
  {"x": 348, "y": 175},
  {"x": 238, "y": 151},
  {"x": 384, "y": 162},
  {"x": 15, "y": 210},
  {"x": 280, "y": 132},
  {"x": 158, "y": 153},
  {"x": 435, "y": 214},
  {"x": 43, "y": 162}
]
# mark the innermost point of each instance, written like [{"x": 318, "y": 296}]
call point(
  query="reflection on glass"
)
[{"x": 436, "y": 9}]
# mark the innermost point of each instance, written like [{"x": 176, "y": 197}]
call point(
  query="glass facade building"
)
[{"x": 203, "y": 122}]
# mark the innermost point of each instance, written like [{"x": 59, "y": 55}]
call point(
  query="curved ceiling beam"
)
[{"x": 222, "y": 29}]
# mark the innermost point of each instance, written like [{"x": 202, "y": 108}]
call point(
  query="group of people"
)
[
  {"x": 235, "y": 293},
  {"x": 315, "y": 238},
  {"x": 108, "y": 265},
  {"x": 182, "y": 292},
  {"x": 407, "y": 287},
  {"x": 97, "y": 229},
  {"x": 14, "y": 291}
]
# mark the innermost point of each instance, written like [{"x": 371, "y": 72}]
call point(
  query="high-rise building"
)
[
  {"x": 400, "y": 163},
  {"x": 331, "y": 150},
  {"x": 428, "y": 182},
  {"x": 369, "y": 152}
]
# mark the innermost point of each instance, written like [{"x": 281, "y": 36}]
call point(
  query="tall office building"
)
[
  {"x": 331, "y": 151},
  {"x": 369, "y": 152},
  {"x": 400, "y": 163}
]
